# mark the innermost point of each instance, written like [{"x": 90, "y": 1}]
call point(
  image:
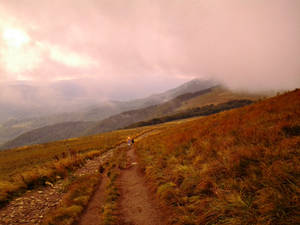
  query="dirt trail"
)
[
  {"x": 92, "y": 214},
  {"x": 32, "y": 206},
  {"x": 137, "y": 205}
]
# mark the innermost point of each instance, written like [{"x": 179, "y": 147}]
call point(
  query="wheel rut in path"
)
[
  {"x": 92, "y": 214},
  {"x": 137, "y": 207}
]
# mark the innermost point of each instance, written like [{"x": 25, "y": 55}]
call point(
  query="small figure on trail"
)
[
  {"x": 129, "y": 141},
  {"x": 132, "y": 141}
]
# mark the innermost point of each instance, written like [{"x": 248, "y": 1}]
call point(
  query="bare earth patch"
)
[
  {"x": 92, "y": 214},
  {"x": 137, "y": 205}
]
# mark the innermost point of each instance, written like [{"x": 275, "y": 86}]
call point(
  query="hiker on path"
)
[{"x": 129, "y": 141}]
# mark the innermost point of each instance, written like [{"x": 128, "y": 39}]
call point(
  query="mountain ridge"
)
[
  {"x": 16, "y": 127},
  {"x": 124, "y": 119}
]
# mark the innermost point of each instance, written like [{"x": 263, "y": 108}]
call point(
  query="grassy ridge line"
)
[
  {"x": 194, "y": 112},
  {"x": 235, "y": 167},
  {"x": 74, "y": 202},
  {"x": 44, "y": 164}
]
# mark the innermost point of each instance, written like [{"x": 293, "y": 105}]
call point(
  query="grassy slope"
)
[
  {"x": 49, "y": 134},
  {"x": 25, "y": 167},
  {"x": 236, "y": 167},
  {"x": 216, "y": 96},
  {"x": 194, "y": 112},
  {"x": 183, "y": 102},
  {"x": 75, "y": 129}
]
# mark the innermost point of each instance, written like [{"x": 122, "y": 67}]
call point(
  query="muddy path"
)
[{"x": 137, "y": 205}]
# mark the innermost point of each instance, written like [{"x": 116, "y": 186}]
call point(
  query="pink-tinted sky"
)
[{"x": 144, "y": 46}]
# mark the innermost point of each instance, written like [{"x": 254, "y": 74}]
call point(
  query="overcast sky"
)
[{"x": 129, "y": 48}]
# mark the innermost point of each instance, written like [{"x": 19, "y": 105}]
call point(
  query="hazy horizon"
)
[{"x": 97, "y": 50}]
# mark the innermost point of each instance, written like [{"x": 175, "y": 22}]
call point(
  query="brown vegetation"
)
[
  {"x": 74, "y": 202},
  {"x": 235, "y": 167},
  {"x": 193, "y": 112},
  {"x": 26, "y": 167}
]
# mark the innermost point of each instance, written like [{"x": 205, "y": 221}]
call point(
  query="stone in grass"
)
[{"x": 49, "y": 183}]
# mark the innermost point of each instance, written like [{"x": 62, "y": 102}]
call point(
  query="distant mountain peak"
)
[{"x": 191, "y": 86}]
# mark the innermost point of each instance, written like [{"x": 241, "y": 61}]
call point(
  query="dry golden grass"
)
[
  {"x": 235, "y": 167},
  {"x": 74, "y": 201},
  {"x": 26, "y": 167},
  {"x": 216, "y": 96}
]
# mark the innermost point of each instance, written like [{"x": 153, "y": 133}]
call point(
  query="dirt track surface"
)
[
  {"x": 92, "y": 214},
  {"x": 34, "y": 205},
  {"x": 137, "y": 205}
]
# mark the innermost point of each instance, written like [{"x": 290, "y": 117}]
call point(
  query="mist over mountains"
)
[
  {"x": 116, "y": 115},
  {"x": 72, "y": 104},
  {"x": 88, "y": 63}
]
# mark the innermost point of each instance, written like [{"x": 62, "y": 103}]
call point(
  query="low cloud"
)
[
  {"x": 139, "y": 47},
  {"x": 67, "y": 57}
]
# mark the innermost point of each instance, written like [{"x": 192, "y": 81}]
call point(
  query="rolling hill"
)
[
  {"x": 49, "y": 133},
  {"x": 179, "y": 104},
  {"x": 182, "y": 103},
  {"x": 24, "y": 119},
  {"x": 194, "y": 112}
]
